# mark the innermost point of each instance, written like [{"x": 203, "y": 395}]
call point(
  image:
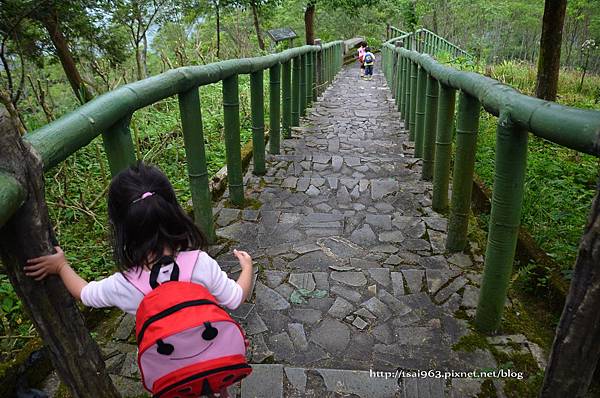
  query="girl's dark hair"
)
[{"x": 143, "y": 228}]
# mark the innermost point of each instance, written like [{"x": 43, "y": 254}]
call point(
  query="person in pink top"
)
[
  {"x": 148, "y": 224},
  {"x": 361, "y": 56}
]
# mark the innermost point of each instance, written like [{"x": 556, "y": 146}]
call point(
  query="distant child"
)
[
  {"x": 369, "y": 61},
  {"x": 149, "y": 231},
  {"x": 361, "y": 55}
]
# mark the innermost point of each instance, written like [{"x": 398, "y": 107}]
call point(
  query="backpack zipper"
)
[
  {"x": 201, "y": 375},
  {"x": 170, "y": 311}
]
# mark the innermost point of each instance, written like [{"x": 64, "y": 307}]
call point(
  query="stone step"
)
[{"x": 276, "y": 381}]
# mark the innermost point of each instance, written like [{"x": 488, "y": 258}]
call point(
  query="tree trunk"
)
[
  {"x": 27, "y": 234},
  {"x": 261, "y": 43},
  {"x": 50, "y": 22},
  {"x": 575, "y": 352},
  {"x": 550, "y": 43},
  {"x": 216, "y": 3},
  {"x": 309, "y": 23},
  {"x": 145, "y": 55},
  {"x": 571, "y": 42},
  {"x": 138, "y": 62},
  {"x": 6, "y": 100}
]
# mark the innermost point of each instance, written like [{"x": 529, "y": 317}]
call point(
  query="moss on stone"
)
[
  {"x": 488, "y": 390},
  {"x": 471, "y": 342}
]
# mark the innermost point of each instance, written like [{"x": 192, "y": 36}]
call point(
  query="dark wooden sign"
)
[{"x": 280, "y": 34}]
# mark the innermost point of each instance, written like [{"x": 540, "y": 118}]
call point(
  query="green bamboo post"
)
[
  {"x": 398, "y": 81},
  {"x": 326, "y": 66},
  {"x": 118, "y": 146},
  {"x": 315, "y": 79},
  {"x": 330, "y": 65},
  {"x": 257, "y": 106},
  {"x": 507, "y": 198},
  {"x": 467, "y": 127},
  {"x": 401, "y": 86},
  {"x": 431, "y": 102},
  {"x": 296, "y": 91},
  {"x": 274, "y": 108},
  {"x": 231, "y": 127},
  {"x": 393, "y": 57},
  {"x": 420, "y": 112},
  {"x": 302, "y": 85},
  {"x": 413, "y": 100},
  {"x": 443, "y": 147},
  {"x": 286, "y": 93},
  {"x": 407, "y": 84},
  {"x": 195, "y": 154},
  {"x": 309, "y": 79}
]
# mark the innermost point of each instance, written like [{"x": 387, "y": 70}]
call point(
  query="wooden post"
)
[{"x": 27, "y": 234}]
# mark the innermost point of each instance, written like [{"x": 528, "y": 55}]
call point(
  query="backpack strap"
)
[{"x": 186, "y": 261}]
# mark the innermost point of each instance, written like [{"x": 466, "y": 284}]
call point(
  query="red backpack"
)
[{"x": 188, "y": 346}]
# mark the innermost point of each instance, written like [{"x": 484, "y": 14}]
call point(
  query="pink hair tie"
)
[{"x": 144, "y": 196}]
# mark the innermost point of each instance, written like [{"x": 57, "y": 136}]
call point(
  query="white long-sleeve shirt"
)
[{"x": 116, "y": 291}]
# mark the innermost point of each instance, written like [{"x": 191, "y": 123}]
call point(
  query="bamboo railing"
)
[
  {"x": 425, "y": 93},
  {"x": 306, "y": 71}
]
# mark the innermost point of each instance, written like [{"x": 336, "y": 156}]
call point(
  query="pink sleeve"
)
[{"x": 208, "y": 273}]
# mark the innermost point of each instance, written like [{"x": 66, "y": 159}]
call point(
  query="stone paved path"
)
[{"x": 351, "y": 276}]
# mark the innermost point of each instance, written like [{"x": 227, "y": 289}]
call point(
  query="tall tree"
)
[
  {"x": 138, "y": 16},
  {"x": 309, "y": 22},
  {"x": 576, "y": 352},
  {"x": 27, "y": 234},
  {"x": 49, "y": 17},
  {"x": 351, "y": 7},
  {"x": 254, "y": 5},
  {"x": 546, "y": 84}
]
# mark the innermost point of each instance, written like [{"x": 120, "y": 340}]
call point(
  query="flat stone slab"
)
[
  {"x": 297, "y": 378},
  {"x": 303, "y": 281},
  {"x": 264, "y": 381},
  {"x": 275, "y": 278},
  {"x": 269, "y": 298},
  {"x": 282, "y": 346},
  {"x": 298, "y": 336},
  {"x": 360, "y": 383},
  {"x": 345, "y": 292},
  {"x": 381, "y": 276},
  {"x": 430, "y": 388},
  {"x": 381, "y": 188},
  {"x": 414, "y": 279},
  {"x": 340, "y": 308},
  {"x": 377, "y": 308},
  {"x": 332, "y": 335},
  {"x": 349, "y": 278},
  {"x": 125, "y": 327},
  {"x": 397, "y": 284}
]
